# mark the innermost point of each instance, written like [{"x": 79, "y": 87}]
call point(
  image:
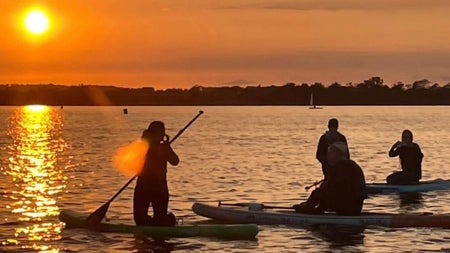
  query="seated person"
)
[
  {"x": 343, "y": 192},
  {"x": 410, "y": 160}
]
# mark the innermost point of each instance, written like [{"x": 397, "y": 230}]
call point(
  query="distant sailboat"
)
[{"x": 311, "y": 103}]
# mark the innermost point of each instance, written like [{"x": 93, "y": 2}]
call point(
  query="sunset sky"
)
[{"x": 181, "y": 43}]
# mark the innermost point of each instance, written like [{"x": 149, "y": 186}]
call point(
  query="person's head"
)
[
  {"x": 155, "y": 132},
  {"x": 407, "y": 136},
  {"x": 337, "y": 152},
  {"x": 333, "y": 124}
]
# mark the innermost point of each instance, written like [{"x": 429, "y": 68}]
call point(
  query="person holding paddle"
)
[
  {"x": 151, "y": 186},
  {"x": 344, "y": 190},
  {"x": 156, "y": 134},
  {"x": 410, "y": 159}
]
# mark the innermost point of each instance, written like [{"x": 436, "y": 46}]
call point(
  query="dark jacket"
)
[
  {"x": 155, "y": 166},
  {"x": 410, "y": 158},
  {"x": 325, "y": 141},
  {"x": 344, "y": 192}
]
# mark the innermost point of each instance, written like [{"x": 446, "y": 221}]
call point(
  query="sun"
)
[
  {"x": 36, "y": 22},
  {"x": 36, "y": 108}
]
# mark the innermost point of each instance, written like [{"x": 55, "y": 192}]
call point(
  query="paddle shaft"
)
[
  {"x": 278, "y": 207},
  {"x": 173, "y": 139},
  {"x": 262, "y": 206},
  {"x": 315, "y": 184}
]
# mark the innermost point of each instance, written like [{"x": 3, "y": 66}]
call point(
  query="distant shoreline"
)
[{"x": 371, "y": 92}]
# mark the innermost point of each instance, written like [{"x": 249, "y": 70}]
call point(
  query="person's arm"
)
[
  {"x": 346, "y": 144},
  {"x": 172, "y": 157},
  {"x": 420, "y": 151},
  {"x": 322, "y": 150},
  {"x": 394, "y": 151}
]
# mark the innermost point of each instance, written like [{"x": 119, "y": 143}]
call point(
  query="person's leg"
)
[
  {"x": 141, "y": 202},
  {"x": 402, "y": 178},
  {"x": 347, "y": 207},
  {"x": 341, "y": 204},
  {"x": 309, "y": 206},
  {"x": 160, "y": 203},
  {"x": 396, "y": 178},
  {"x": 315, "y": 197},
  {"x": 325, "y": 171},
  {"x": 411, "y": 178}
]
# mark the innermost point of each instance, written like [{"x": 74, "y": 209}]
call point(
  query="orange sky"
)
[{"x": 181, "y": 43}]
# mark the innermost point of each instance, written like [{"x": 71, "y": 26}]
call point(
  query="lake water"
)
[{"x": 54, "y": 159}]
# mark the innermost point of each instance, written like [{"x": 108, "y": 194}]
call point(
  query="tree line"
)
[{"x": 369, "y": 92}]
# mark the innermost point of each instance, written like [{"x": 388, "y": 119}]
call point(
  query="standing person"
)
[
  {"x": 151, "y": 186},
  {"x": 329, "y": 137},
  {"x": 343, "y": 192},
  {"x": 410, "y": 159}
]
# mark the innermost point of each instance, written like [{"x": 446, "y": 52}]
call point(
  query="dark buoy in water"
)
[
  {"x": 125, "y": 111},
  {"x": 62, "y": 107}
]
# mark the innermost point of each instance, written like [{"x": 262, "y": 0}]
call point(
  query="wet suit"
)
[
  {"x": 343, "y": 192},
  {"x": 411, "y": 161},
  {"x": 325, "y": 141},
  {"x": 151, "y": 187}
]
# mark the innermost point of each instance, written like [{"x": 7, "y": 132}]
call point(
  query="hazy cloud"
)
[
  {"x": 337, "y": 5},
  {"x": 312, "y": 59},
  {"x": 446, "y": 78},
  {"x": 239, "y": 82}
]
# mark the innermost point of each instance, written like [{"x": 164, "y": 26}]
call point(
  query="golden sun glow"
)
[
  {"x": 36, "y": 108},
  {"x": 36, "y": 22},
  {"x": 36, "y": 174}
]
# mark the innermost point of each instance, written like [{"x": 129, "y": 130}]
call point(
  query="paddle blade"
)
[
  {"x": 130, "y": 159},
  {"x": 96, "y": 217}
]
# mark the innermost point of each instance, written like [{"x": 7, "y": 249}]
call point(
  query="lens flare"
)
[{"x": 130, "y": 159}]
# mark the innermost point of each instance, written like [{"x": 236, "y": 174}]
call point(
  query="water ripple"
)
[{"x": 232, "y": 154}]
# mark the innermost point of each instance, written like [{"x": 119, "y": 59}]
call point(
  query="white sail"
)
[{"x": 311, "y": 103}]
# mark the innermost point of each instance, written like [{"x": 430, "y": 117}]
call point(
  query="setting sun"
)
[
  {"x": 36, "y": 108},
  {"x": 36, "y": 22}
]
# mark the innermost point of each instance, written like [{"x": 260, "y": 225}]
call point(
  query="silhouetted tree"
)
[
  {"x": 421, "y": 84},
  {"x": 372, "y": 91}
]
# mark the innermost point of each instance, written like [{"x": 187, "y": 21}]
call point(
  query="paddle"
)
[
  {"x": 255, "y": 206},
  {"x": 313, "y": 185},
  {"x": 97, "y": 216}
]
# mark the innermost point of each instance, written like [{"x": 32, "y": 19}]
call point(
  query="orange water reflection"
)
[{"x": 36, "y": 178}]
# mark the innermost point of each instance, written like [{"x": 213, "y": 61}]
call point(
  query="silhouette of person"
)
[
  {"x": 410, "y": 159},
  {"x": 329, "y": 137},
  {"x": 343, "y": 192},
  {"x": 151, "y": 186}
]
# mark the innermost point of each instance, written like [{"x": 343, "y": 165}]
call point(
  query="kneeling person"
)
[
  {"x": 151, "y": 186},
  {"x": 343, "y": 192},
  {"x": 410, "y": 158}
]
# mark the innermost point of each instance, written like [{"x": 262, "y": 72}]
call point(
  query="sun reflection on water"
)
[{"x": 35, "y": 177}]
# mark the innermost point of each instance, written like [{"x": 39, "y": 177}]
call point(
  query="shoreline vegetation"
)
[{"x": 369, "y": 92}]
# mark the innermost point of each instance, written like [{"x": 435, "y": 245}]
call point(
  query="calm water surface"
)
[{"x": 54, "y": 159}]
